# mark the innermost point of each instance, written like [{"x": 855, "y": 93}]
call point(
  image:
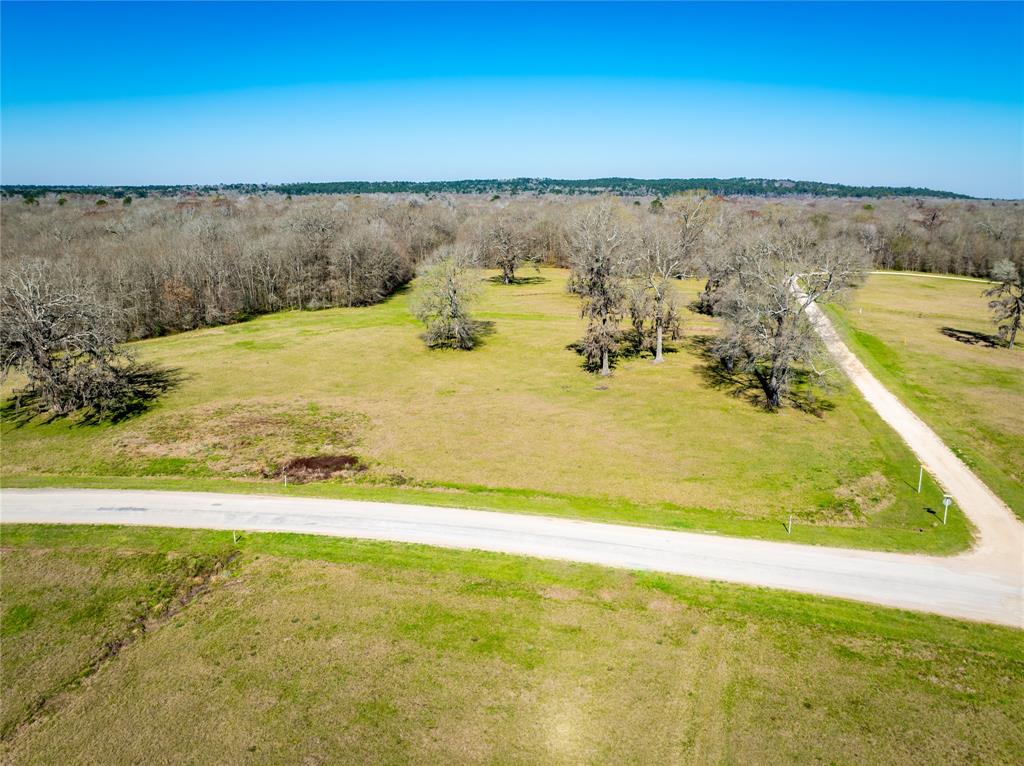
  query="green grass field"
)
[
  {"x": 929, "y": 341},
  {"x": 66, "y": 612},
  {"x": 319, "y": 650},
  {"x": 513, "y": 425}
]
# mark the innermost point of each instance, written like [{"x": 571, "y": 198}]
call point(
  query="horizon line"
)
[{"x": 540, "y": 180}]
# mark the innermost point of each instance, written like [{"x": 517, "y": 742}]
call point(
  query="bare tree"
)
[
  {"x": 1007, "y": 298},
  {"x": 446, "y": 288},
  {"x": 651, "y": 320},
  {"x": 169, "y": 264},
  {"x": 506, "y": 246},
  {"x": 600, "y": 265},
  {"x": 664, "y": 256},
  {"x": 316, "y": 233},
  {"x": 767, "y": 332},
  {"x": 366, "y": 266},
  {"x": 716, "y": 261},
  {"x": 65, "y": 344}
]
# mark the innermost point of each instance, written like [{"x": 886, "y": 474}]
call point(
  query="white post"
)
[
  {"x": 946, "y": 500},
  {"x": 234, "y": 537},
  {"x": 789, "y": 526},
  {"x": 920, "y": 478}
]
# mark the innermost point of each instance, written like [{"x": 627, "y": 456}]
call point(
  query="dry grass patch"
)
[
  {"x": 254, "y": 438},
  {"x": 866, "y": 496}
]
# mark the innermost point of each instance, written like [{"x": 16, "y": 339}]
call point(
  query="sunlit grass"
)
[
  {"x": 515, "y": 424},
  {"x": 970, "y": 392},
  {"x": 325, "y": 650}
]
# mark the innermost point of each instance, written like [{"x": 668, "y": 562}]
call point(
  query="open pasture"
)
[{"x": 514, "y": 424}]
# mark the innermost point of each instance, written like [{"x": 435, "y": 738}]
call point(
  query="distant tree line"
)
[{"x": 766, "y": 187}]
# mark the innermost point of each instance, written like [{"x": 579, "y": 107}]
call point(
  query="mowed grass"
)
[
  {"x": 319, "y": 650},
  {"x": 515, "y": 424},
  {"x": 970, "y": 392}
]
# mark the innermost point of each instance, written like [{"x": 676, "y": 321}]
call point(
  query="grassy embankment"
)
[
  {"x": 931, "y": 342},
  {"x": 513, "y": 425},
  {"x": 309, "y": 649}
]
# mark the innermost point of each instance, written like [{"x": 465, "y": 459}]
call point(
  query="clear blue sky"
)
[{"x": 867, "y": 93}]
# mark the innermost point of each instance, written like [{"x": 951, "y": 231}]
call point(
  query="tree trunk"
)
[
  {"x": 1013, "y": 330},
  {"x": 657, "y": 351},
  {"x": 774, "y": 391},
  {"x": 770, "y": 386},
  {"x": 605, "y": 365}
]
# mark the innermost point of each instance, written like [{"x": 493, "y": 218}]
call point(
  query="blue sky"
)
[{"x": 866, "y": 93}]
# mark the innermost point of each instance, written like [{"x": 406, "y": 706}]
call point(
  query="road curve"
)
[
  {"x": 963, "y": 586},
  {"x": 999, "y": 533},
  {"x": 985, "y": 584}
]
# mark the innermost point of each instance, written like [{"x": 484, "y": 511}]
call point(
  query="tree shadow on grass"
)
[
  {"x": 499, "y": 280},
  {"x": 639, "y": 350},
  {"x": 613, "y": 359},
  {"x": 973, "y": 338},
  {"x": 702, "y": 307},
  {"x": 145, "y": 384},
  {"x": 743, "y": 385},
  {"x": 141, "y": 386},
  {"x": 628, "y": 350},
  {"x": 482, "y": 329}
]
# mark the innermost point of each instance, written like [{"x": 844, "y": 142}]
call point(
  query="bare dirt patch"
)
[
  {"x": 320, "y": 467},
  {"x": 664, "y": 606},
  {"x": 865, "y": 497}
]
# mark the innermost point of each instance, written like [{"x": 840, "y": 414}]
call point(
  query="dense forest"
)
[{"x": 764, "y": 187}]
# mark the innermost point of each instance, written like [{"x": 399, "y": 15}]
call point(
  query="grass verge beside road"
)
[
  {"x": 320, "y": 649},
  {"x": 931, "y": 343},
  {"x": 68, "y": 611}
]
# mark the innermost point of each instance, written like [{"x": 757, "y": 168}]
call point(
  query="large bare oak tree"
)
[
  {"x": 65, "y": 344},
  {"x": 767, "y": 332}
]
